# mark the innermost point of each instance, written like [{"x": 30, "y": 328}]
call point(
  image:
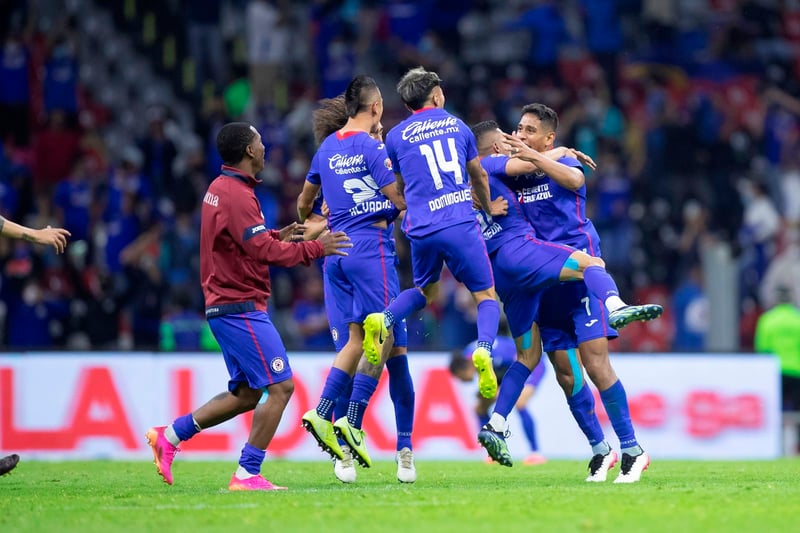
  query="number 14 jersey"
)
[{"x": 430, "y": 149}]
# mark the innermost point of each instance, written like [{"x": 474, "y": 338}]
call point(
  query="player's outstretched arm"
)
[
  {"x": 49, "y": 236},
  {"x": 568, "y": 177}
]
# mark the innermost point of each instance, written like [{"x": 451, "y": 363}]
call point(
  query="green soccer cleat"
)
[
  {"x": 623, "y": 316},
  {"x": 322, "y": 431},
  {"x": 487, "y": 380},
  {"x": 495, "y": 444},
  {"x": 355, "y": 438},
  {"x": 375, "y": 334}
]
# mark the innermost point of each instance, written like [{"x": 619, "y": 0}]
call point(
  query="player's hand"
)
[
  {"x": 325, "y": 210},
  {"x": 520, "y": 150},
  {"x": 50, "y": 236},
  {"x": 335, "y": 242},
  {"x": 314, "y": 227},
  {"x": 292, "y": 232},
  {"x": 499, "y": 207},
  {"x": 583, "y": 158}
]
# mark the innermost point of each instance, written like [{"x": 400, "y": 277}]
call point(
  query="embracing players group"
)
[{"x": 505, "y": 213}]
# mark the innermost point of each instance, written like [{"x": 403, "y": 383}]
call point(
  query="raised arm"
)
[
  {"x": 568, "y": 177},
  {"x": 49, "y": 236}
]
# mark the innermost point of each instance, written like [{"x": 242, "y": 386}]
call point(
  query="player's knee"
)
[
  {"x": 565, "y": 380},
  {"x": 281, "y": 392}
]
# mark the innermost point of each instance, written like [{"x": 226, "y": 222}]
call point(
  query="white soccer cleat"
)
[
  {"x": 600, "y": 465},
  {"x": 632, "y": 467},
  {"x": 406, "y": 472},
  {"x": 345, "y": 469}
]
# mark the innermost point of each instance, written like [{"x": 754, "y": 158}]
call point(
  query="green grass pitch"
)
[{"x": 674, "y": 496}]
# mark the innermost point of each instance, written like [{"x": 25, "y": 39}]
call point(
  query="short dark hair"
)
[
  {"x": 330, "y": 116},
  {"x": 232, "y": 141},
  {"x": 416, "y": 85},
  {"x": 481, "y": 128},
  {"x": 458, "y": 362},
  {"x": 358, "y": 94},
  {"x": 545, "y": 114}
]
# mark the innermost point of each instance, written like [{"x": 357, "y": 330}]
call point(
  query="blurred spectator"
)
[
  {"x": 783, "y": 271},
  {"x": 308, "y": 312},
  {"x": 73, "y": 198},
  {"x": 690, "y": 307},
  {"x": 205, "y": 43},
  {"x": 61, "y": 78},
  {"x": 158, "y": 153},
  {"x": 182, "y": 328},
  {"x": 180, "y": 252},
  {"x": 55, "y": 148},
  {"x": 758, "y": 232},
  {"x": 146, "y": 297},
  {"x": 612, "y": 193},
  {"x": 547, "y": 32},
  {"x": 29, "y": 321},
  {"x": 15, "y": 91},
  {"x": 268, "y": 47},
  {"x": 778, "y": 332}
]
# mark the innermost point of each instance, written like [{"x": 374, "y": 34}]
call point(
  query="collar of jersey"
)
[
  {"x": 421, "y": 109},
  {"x": 345, "y": 135},
  {"x": 233, "y": 172}
]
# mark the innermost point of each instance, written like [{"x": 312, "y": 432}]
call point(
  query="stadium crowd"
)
[{"x": 687, "y": 107}]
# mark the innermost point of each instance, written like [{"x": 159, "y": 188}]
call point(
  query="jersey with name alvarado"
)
[{"x": 352, "y": 169}]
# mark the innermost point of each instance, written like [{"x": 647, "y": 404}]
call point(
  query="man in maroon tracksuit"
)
[{"x": 236, "y": 250}]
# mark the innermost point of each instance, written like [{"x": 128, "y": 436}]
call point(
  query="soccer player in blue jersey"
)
[
  {"x": 359, "y": 187},
  {"x": 504, "y": 354},
  {"x": 524, "y": 266},
  {"x": 431, "y": 151},
  {"x": 554, "y": 201},
  {"x": 329, "y": 117}
]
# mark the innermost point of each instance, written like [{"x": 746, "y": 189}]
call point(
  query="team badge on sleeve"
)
[
  {"x": 335, "y": 334},
  {"x": 387, "y": 163},
  {"x": 277, "y": 365}
]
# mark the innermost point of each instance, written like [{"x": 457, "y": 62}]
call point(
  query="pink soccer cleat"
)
[
  {"x": 534, "y": 458},
  {"x": 252, "y": 483},
  {"x": 163, "y": 452}
]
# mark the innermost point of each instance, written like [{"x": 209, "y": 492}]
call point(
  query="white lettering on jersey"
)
[
  {"x": 211, "y": 199},
  {"x": 529, "y": 195},
  {"x": 450, "y": 199},
  {"x": 419, "y": 130},
  {"x": 347, "y": 164}
]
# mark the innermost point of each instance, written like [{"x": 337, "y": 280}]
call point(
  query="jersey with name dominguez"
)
[
  {"x": 352, "y": 169},
  {"x": 430, "y": 149}
]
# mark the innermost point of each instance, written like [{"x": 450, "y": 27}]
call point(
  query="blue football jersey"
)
[
  {"x": 500, "y": 229},
  {"x": 557, "y": 214},
  {"x": 352, "y": 169},
  {"x": 430, "y": 149}
]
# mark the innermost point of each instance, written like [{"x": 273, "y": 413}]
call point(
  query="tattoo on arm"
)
[{"x": 27, "y": 237}]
